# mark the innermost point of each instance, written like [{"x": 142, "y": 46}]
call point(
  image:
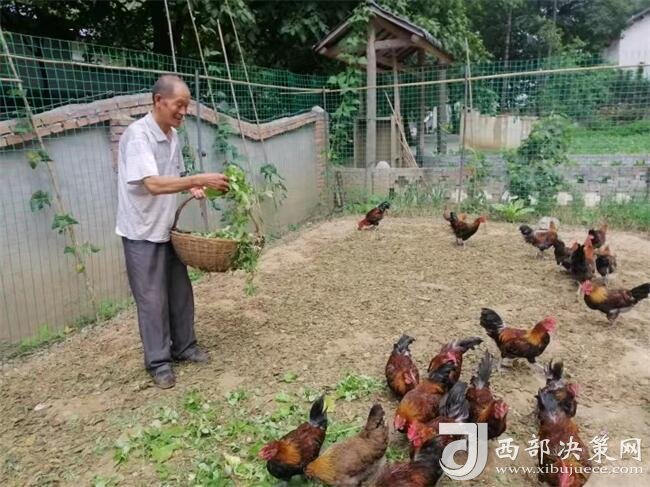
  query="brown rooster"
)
[
  {"x": 289, "y": 455},
  {"x": 401, "y": 372},
  {"x": 556, "y": 431},
  {"x": 353, "y": 460},
  {"x": 612, "y": 302},
  {"x": 599, "y": 236},
  {"x": 423, "y": 471},
  {"x": 565, "y": 393},
  {"x": 605, "y": 261},
  {"x": 462, "y": 230},
  {"x": 456, "y": 349},
  {"x": 421, "y": 404},
  {"x": 516, "y": 343},
  {"x": 454, "y": 408},
  {"x": 483, "y": 407},
  {"x": 374, "y": 216},
  {"x": 540, "y": 239}
]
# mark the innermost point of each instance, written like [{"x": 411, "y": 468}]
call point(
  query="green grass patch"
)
[
  {"x": 110, "y": 308},
  {"x": 630, "y": 138},
  {"x": 48, "y": 335},
  {"x": 195, "y": 274},
  {"x": 631, "y": 215},
  {"x": 199, "y": 442},
  {"x": 354, "y": 386},
  {"x": 44, "y": 337}
]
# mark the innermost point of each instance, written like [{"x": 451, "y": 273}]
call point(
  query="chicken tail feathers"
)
[
  {"x": 375, "y": 418},
  {"x": 403, "y": 344},
  {"x": 453, "y": 404},
  {"x": 554, "y": 371},
  {"x": 431, "y": 453},
  {"x": 318, "y": 413},
  {"x": 640, "y": 292},
  {"x": 525, "y": 230},
  {"x": 482, "y": 377},
  {"x": 450, "y": 216},
  {"x": 492, "y": 322},
  {"x": 441, "y": 374},
  {"x": 547, "y": 402}
]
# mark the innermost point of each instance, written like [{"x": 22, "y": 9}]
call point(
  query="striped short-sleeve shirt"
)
[{"x": 145, "y": 150}]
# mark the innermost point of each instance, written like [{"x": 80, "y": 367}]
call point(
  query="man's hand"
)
[
  {"x": 213, "y": 180},
  {"x": 198, "y": 192}
]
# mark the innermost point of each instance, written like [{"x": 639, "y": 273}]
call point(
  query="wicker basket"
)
[{"x": 207, "y": 254}]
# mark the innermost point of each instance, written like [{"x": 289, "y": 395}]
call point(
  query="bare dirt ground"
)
[{"x": 330, "y": 300}]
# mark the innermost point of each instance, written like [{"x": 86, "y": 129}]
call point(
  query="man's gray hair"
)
[{"x": 165, "y": 85}]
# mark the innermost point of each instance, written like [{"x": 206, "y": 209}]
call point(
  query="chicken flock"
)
[{"x": 440, "y": 396}]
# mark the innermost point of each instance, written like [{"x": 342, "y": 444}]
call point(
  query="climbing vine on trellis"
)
[{"x": 37, "y": 158}]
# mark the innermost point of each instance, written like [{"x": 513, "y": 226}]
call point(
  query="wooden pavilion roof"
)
[{"x": 394, "y": 34}]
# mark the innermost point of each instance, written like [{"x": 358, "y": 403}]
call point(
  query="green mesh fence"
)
[
  {"x": 57, "y": 72},
  {"x": 589, "y": 120},
  {"x": 79, "y": 92},
  {"x": 607, "y": 106}
]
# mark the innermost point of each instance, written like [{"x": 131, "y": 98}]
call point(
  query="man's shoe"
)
[
  {"x": 195, "y": 355},
  {"x": 164, "y": 379}
]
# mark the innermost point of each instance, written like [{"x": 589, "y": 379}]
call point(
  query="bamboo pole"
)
[
  {"x": 305, "y": 91},
  {"x": 403, "y": 141},
  {"x": 462, "y": 141},
  {"x": 199, "y": 144}
]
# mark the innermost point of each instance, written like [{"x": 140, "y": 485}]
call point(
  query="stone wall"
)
[{"x": 596, "y": 178}]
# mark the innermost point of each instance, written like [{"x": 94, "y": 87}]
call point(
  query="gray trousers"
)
[{"x": 164, "y": 298}]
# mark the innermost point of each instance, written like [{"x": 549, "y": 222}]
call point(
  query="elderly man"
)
[{"x": 150, "y": 169}]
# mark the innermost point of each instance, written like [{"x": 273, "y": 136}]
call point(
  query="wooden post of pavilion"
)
[
  {"x": 391, "y": 41},
  {"x": 420, "y": 111},
  {"x": 398, "y": 112}
]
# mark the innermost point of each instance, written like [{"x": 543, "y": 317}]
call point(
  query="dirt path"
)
[{"x": 331, "y": 300}]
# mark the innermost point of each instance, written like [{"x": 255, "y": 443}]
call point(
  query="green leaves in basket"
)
[{"x": 236, "y": 212}]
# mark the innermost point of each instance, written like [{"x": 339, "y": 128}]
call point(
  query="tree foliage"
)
[
  {"x": 543, "y": 27},
  {"x": 269, "y": 30}
]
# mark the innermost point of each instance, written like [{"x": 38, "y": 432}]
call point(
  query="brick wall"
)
[
  {"x": 70, "y": 117},
  {"x": 117, "y": 127},
  {"x": 120, "y": 111},
  {"x": 321, "y": 133}
]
